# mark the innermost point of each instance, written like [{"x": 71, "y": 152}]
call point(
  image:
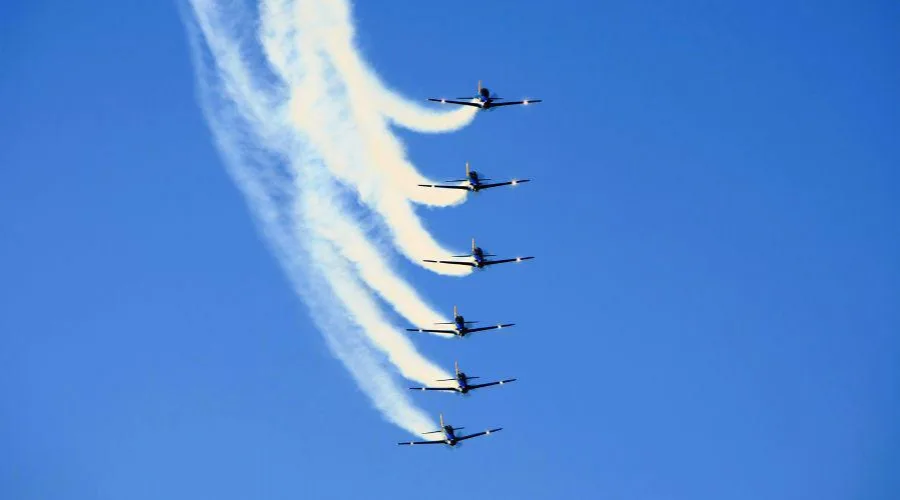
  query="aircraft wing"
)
[
  {"x": 503, "y": 261},
  {"x": 499, "y": 382},
  {"x": 470, "y": 436},
  {"x": 462, "y": 103},
  {"x": 510, "y": 103},
  {"x": 486, "y": 186},
  {"x": 429, "y": 331},
  {"x": 470, "y": 264},
  {"x": 433, "y": 389},
  {"x": 443, "y": 187},
  {"x": 410, "y": 443},
  {"x": 483, "y": 328}
]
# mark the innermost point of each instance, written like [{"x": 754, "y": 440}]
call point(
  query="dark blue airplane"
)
[
  {"x": 478, "y": 259},
  {"x": 462, "y": 383},
  {"x": 474, "y": 182},
  {"x": 450, "y": 437},
  {"x": 460, "y": 326},
  {"x": 484, "y": 100}
]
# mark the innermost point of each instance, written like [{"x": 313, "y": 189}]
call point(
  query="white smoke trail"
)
[
  {"x": 341, "y": 115},
  {"x": 298, "y": 207},
  {"x": 348, "y": 236},
  {"x": 333, "y": 25},
  {"x": 319, "y": 116},
  {"x": 253, "y": 171}
]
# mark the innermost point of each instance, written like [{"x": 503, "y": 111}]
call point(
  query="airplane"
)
[
  {"x": 478, "y": 259},
  {"x": 450, "y": 437},
  {"x": 462, "y": 383},
  {"x": 474, "y": 182},
  {"x": 460, "y": 326},
  {"x": 484, "y": 100}
]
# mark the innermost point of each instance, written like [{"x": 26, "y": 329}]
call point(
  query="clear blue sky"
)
[{"x": 713, "y": 313}]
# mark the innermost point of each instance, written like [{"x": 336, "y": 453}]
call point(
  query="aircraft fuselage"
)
[
  {"x": 474, "y": 181},
  {"x": 462, "y": 383},
  {"x": 449, "y": 436},
  {"x": 484, "y": 97},
  {"x": 459, "y": 324},
  {"x": 478, "y": 255}
]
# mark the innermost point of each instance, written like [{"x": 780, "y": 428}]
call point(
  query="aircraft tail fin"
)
[
  {"x": 456, "y": 365},
  {"x": 479, "y": 87},
  {"x": 455, "y": 313},
  {"x": 467, "y": 170},
  {"x": 473, "y": 245},
  {"x": 441, "y": 416}
]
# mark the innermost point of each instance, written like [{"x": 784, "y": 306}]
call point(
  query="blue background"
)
[{"x": 712, "y": 312}]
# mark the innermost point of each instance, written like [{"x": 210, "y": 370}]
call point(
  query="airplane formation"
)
[{"x": 484, "y": 100}]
